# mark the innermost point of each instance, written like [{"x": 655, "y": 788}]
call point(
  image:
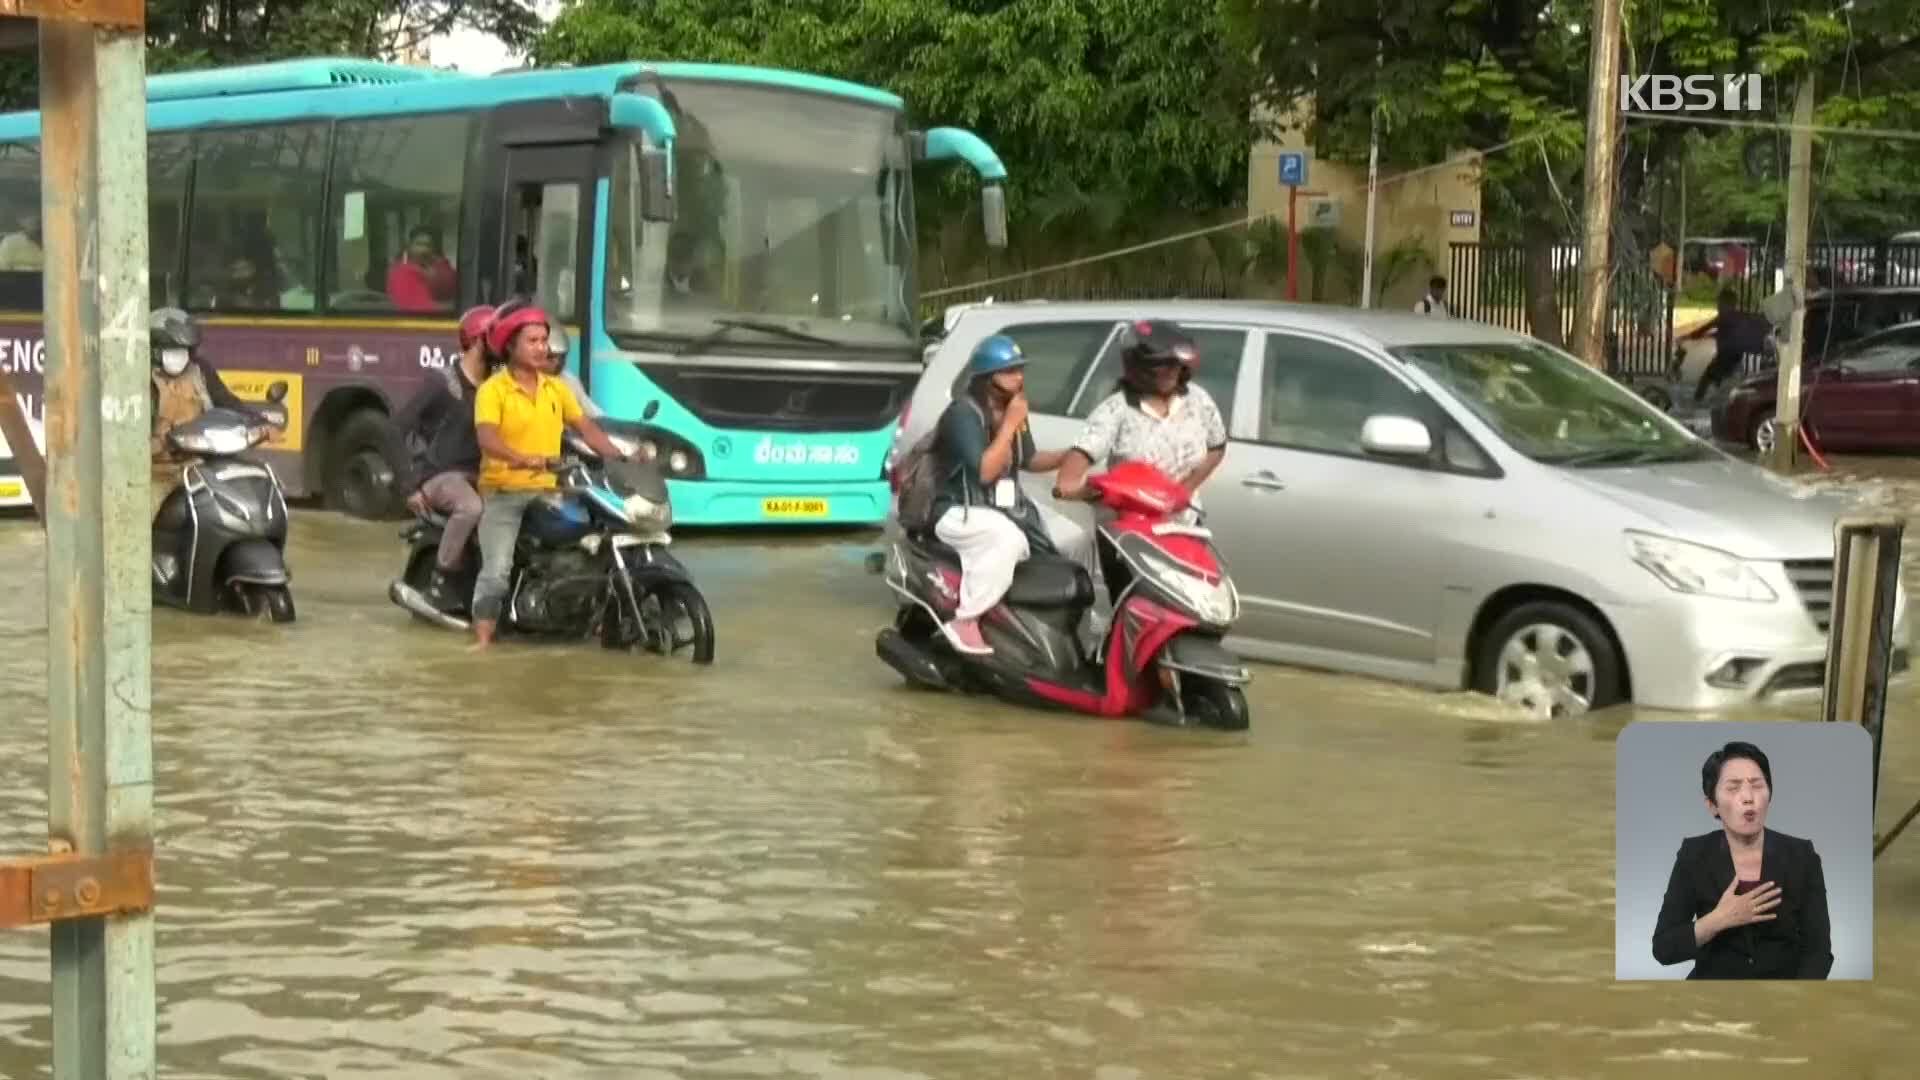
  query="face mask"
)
[{"x": 174, "y": 361}]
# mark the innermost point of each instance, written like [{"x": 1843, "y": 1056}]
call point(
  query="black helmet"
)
[
  {"x": 1145, "y": 344},
  {"x": 171, "y": 328}
]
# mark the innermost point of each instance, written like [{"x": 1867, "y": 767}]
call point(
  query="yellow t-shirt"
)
[{"x": 530, "y": 423}]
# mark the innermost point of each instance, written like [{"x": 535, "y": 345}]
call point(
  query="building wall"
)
[{"x": 1420, "y": 209}]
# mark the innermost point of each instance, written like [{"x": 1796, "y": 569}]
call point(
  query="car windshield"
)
[
  {"x": 1553, "y": 408},
  {"x": 794, "y": 225}
]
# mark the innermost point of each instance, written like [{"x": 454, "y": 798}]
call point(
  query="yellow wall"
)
[{"x": 1421, "y": 207}]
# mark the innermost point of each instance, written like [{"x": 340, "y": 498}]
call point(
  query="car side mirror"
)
[
  {"x": 1396, "y": 436},
  {"x": 277, "y": 393}
]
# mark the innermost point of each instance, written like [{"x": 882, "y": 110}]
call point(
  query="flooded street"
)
[{"x": 381, "y": 856}]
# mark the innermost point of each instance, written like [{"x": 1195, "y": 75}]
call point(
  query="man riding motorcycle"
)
[
  {"x": 185, "y": 385},
  {"x": 520, "y": 415},
  {"x": 443, "y": 473}
]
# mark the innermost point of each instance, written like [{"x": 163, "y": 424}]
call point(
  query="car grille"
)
[{"x": 1813, "y": 580}]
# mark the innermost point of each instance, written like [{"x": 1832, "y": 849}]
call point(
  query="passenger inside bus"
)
[
  {"x": 20, "y": 251},
  {"x": 422, "y": 279},
  {"x": 244, "y": 287}
]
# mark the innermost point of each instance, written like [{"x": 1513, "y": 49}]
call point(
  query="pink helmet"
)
[
  {"x": 507, "y": 322},
  {"x": 473, "y": 324}
]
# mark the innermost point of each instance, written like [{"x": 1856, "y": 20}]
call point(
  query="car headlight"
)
[{"x": 1698, "y": 570}]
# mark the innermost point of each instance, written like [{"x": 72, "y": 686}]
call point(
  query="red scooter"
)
[{"x": 1161, "y": 658}]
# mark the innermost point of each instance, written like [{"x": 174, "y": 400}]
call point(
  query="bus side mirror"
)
[
  {"x": 656, "y": 183},
  {"x": 993, "y": 214}
]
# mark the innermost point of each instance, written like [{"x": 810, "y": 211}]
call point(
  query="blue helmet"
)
[{"x": 997, "y": 353}]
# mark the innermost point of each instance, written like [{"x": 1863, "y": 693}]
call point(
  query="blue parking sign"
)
[{"x": 1293, "y": 169}]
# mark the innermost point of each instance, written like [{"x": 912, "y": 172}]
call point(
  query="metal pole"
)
[
  {"x": 100, "y": 754},
  {"x": 1786, "y": 415},
  {"x": 1866, "y": 575},
  {"x": 1373, "y": 185},
  {"x": 1293, "y": 245},
  {"x": 1603, "y": 127}
]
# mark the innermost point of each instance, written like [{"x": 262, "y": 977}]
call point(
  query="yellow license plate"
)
[
  {"x": 10, "y": 489},
  {"x": 794, "y": 508}
]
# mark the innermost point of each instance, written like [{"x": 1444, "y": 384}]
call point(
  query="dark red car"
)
[{"x": 1864, "y": 395}]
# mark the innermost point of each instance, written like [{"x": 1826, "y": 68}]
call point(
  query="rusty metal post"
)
[
  {"x": 1860, "y": 645},
  {"x": 1596, "y": 209},
  {"x": 99, "y": 600}
]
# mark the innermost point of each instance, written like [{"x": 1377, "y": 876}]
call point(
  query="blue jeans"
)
[{"x": 499, "y": 531}]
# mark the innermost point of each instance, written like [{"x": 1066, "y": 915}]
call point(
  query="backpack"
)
[{"x": 919, "y": 474}]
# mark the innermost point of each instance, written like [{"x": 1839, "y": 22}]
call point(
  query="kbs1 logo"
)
[{"x": 1690, "y": 94}]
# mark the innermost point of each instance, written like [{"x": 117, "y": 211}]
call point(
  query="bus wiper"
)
[{"x": 724, "y": 326}]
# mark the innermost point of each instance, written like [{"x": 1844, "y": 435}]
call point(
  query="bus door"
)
[{"x": 546, "y": 235}]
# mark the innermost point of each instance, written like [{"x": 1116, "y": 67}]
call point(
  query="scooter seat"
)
[
  {"x": 1043, "y": 581},
  {"x": 1051, "y": 581}
]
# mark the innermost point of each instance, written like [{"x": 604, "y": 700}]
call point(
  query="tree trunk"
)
[{"x": 1543, "y": 305}]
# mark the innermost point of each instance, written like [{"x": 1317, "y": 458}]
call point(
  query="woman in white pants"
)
[{"x": 980, "y": 511}]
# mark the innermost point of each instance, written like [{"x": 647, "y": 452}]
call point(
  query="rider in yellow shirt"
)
[{"x": 519, "y": 415}]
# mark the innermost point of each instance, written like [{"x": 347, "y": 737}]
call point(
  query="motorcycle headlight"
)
[
  {"x": 215, "y": 441},
  {"x": 644, "y": 511},
  {"x": 1698, "y": 570},
  {"x": 1217, "y": 603}
]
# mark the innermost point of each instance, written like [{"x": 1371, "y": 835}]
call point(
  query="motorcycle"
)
[
  {"x": 220, "y": 537},
  {"x": 1161, "y": 657},
  {"x": 591, "y": 560}
]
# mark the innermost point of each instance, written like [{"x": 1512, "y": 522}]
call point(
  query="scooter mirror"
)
[{"x": 277, "y": 393}]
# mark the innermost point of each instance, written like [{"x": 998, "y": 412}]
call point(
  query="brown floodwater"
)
[{"x": 381, "y": 856}]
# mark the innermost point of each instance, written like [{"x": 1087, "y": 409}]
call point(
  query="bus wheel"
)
[{"x": 358, "y": 478}]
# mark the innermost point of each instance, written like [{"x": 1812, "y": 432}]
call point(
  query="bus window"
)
[
  {"x": 398, "y": 189},
  {"x": 169, "y": 157},
  {"x": 20, "y": 233},
  {"x": 252, "y": 243}
]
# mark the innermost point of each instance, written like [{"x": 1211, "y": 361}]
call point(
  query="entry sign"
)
[{"x": 1293, "y": 169}]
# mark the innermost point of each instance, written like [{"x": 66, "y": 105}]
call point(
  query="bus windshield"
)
[{"x": 794, "y": 211}]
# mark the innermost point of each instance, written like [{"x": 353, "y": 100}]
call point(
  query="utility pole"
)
[
  {"x": 1603, "y": 130},
  {"x": 1786, "y": 416},
  {"x": 94, "y": 887},
  {"x": 1373, "y": 181}
]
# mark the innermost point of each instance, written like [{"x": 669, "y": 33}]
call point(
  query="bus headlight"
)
[{"x": 678, "y": 461}]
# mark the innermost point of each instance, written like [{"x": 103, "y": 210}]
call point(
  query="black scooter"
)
[{"x": 220, "y": 538}]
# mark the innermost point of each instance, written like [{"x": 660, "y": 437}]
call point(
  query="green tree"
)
[
  {"x": 1106, "y": 111},
  {"x": 1510, "y": 77},
  {"x": 192, "y": 34}
]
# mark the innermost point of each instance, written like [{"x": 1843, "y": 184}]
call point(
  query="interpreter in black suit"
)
[{"x": 1744, "y": 901}]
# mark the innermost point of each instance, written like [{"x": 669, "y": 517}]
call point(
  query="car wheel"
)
[
  {"x": 1764, "y": 434},
  {"x": 1551, "y": 660}
]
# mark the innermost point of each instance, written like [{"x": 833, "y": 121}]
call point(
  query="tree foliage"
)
[
  {"x": 191, "y": 34},
  {"x": 1101, "y": 109}
]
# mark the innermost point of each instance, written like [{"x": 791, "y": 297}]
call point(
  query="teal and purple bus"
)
[{"x": 732, "y": 250}]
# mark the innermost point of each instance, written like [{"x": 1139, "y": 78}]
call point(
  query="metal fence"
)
[
  {"x": 1203, "y": 284},
  {"x": 1488, "y": 284}
]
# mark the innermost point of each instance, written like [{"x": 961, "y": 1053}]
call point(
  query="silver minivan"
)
[{"x": 1446, "y": 503}]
